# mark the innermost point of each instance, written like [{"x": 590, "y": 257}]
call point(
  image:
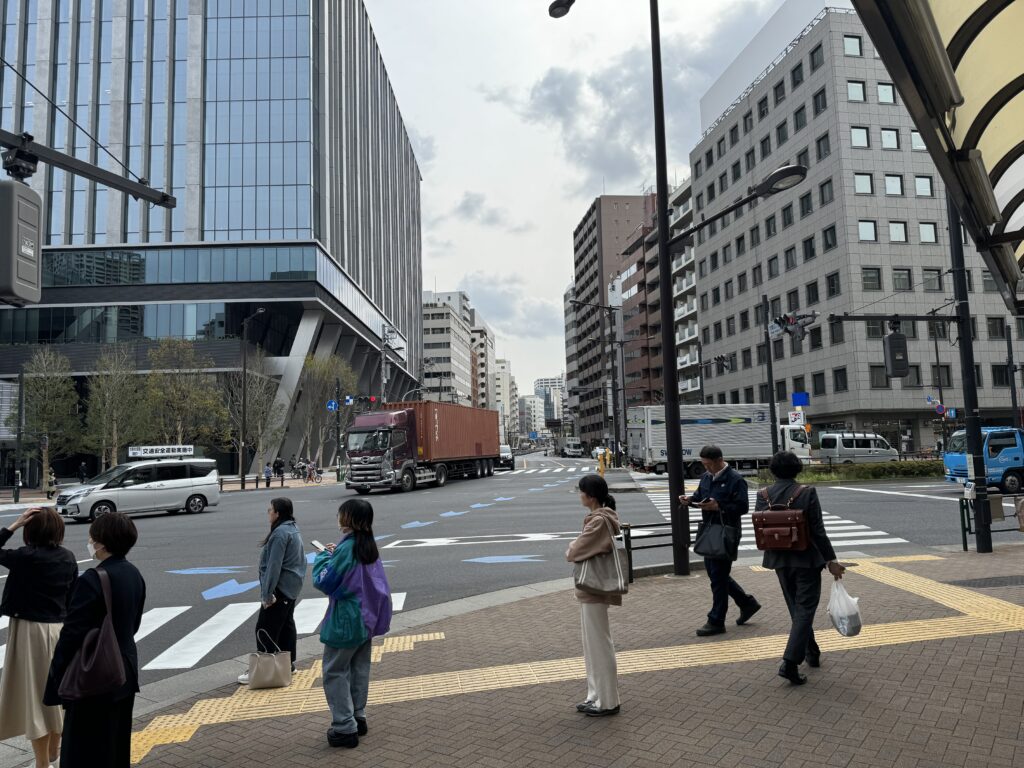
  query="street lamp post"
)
[
  {"x": 242, "y": 457},
  {"x": 772, "y": 414},
  {"x": 1011, "y": 369}
]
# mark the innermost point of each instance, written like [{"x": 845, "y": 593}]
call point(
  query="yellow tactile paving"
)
[{"x": 980, "y": 615}]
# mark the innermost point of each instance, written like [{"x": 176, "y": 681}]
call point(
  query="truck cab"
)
[
  {"x": 794, "y": 438},
  {"x": 382, "y": 451},
  {"x": 573, "y": 448},
  {"x": 1003, "y": 449}
]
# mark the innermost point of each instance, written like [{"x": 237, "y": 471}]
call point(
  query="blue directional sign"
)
[
  {"x": 332, "y": 405},
  {"x": 801, "y": 399},
  {"x": 533, "y": 435}
]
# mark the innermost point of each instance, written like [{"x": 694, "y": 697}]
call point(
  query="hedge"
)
[{"x": 932, "y": 468}]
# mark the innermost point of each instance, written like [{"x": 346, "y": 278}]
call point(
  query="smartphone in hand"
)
[{"x": 318, "y": 546}]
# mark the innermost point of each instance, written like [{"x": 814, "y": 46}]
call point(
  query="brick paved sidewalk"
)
[{"x": 936, "y": 679}]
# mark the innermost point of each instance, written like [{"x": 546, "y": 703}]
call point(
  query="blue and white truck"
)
[{"x": 1003, "y": 449}]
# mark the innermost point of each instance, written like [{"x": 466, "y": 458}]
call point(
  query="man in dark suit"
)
[
  {"x": 799, "y": 571},
  {"x": 722, "y": 489}
]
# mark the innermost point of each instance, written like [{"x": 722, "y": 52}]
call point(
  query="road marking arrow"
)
[
  {"x": 453, "y": 514},
  {"x": 505, "y": 498},
  {"x": 212, "y": 569},
  {"x": 419, "y": 524},
  {"x": 494, "y": 559},
  {"x": 229, "y": 588},
  {"x": 479, "y": 506}
]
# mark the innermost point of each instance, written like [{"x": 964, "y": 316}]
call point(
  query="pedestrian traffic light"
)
[
  {"x": 20, "y": 262},
  {"x": 894, "y": 348}
]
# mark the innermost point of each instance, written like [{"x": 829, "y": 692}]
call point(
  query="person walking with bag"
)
[
  {"x": 352, "y": 576},
  {"x": 600, "y": 525},
  {"x": 798, "y": 570},
  {"x": 722, "y": 498},
  {"x": 40, "y": 577},
  {"x": 98, "y": 708},
  {"x": 282, "y": 571}
]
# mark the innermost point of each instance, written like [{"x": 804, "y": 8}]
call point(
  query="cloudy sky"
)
[{"x": 521, "y": 120}]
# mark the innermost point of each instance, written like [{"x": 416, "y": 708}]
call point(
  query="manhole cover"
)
[{"x": 992, "y": 581}]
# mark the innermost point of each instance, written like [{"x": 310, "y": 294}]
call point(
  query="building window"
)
[
  {"x": 781, "y": 133},
  {"x": 836, "y": 334},
  {"x": 874, "y": 329},
  {"x": 988, "y": 285},
  {"x": 757, "y": 275},
  {"x": 996, "y": 327},
  {"x": 893, "y": 184},
  {"x": 773, "y": 267},
  {"x": 710, "y": 190},
  {"x": 789, "y": 257},
  {"x": 741, "y": 282},
  {"x": 820, "y": 102},
  {"x": 916, "y": 142},
  {"x": 721, "y": 147},
  {"x": 928, "y": 231},
  {"x": 937, "y": 329},
  {"x": 867, "y": 231},
  {"x": 817, "y": 57},
  {"x": 803, "y": 158},
  {"x": 913, "y": 379},
  {"x": 787, "y": 216},
  {"x": 825, "y": 193},
  {"x": 734, "y": 135},
  {"x": 747, "y": 358},
  {"x": 704, "y": 302},
  {"x": 709, "y": 158},
  {"x": 796, "y": 75},
  {"x": 741, "y": 245},
  {"x": 700, "y": 202},
  {"x": 762, "y": 108},
  {"x": 806, "y": 205},
  {"x": 780, "y": 391},
  {"x": 769, "y": 227},
  {"x": 766, "y": 147},
  {"x": 702, "y": 268},
  {"x": 886, "y": 93},
  {"x": 855, "y": 90},
  {"x": 815, "y": 337},
  {"x": 697, "y": 169},
  {"x": 799, "y": 119},
  {"x": 792, "y": 300},
  {"x": 779, "y": 349},
  {"x": 808, "y": 246},
  {"x": 716, "y": 296},
  {"x": 1000, "y": 376},
  {"x": 863, "y": 184},
  {"x": 890, "y": 138},
  {"x": 823, "y": 146},
  {"x": 859, "y": 137},
  {"x": 902, "y": 280},
  {"x": 932, "y": 279},
  {"x": 811, "y": 291},
  {"x": 839, "y": 380},
  {"x": 897, "y": 231},
  {"x": 828, "y": 238},
  {"x": 818, "y": 383},
  {"x": 736, "y": 171},
  {"x": 852, "y": 45},
  {"x": 942, "y": 375},
  {"x": 728, "y": 289},
  {"x": 871, "y": 278},
  {"x": 730, "y": 326},
  {"x": 833, "y": 286},
  {"x": 748, "y": 123},
  {"x": 923, "y": 186},
  {"x": 705, "y": 336},
  {"x": 749, "y": 160},
  {"x": 779, "y": 92},
  {"x": 717, "y": 331},
  {"x": 723, "y": 182},
  {"x": 878, "y": 378},
  {"x": 755, "y": 236}
]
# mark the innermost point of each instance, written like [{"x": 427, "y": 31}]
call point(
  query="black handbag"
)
[{"x": 716, "y": 540}]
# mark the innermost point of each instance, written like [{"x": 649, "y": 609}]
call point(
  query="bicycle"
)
[{"x": 316, "y": 477}]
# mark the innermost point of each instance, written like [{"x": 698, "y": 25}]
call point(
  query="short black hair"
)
[
  {"x": 786, "y": 465},
  {"x": 711, "y": 452},
  {"x": 115, "y": 531}
]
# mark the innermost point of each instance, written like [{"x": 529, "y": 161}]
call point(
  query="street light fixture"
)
[
  {"x": 780, "y": 179},
  {"x": 242, "y": 456},
  {"x": 560, "y": 8}
]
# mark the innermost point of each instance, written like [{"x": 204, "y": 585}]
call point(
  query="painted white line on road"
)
[
  {"x": 398, "y": 601},
  {"x": 542, "y": 471},
  {"x": 309, "y": 613},
  {"x": 494, "y": 538},
  {"x": 530, "y": 471},
  {"x": 155, "y": 618},
  {"x": 570, "y": 469},
  {"x": 556, "y": 470},
  {"x": 517, "y": 471},
  {"x": 191, "y": 649},
  {"x": 856, "y": 543},
  {"x": 897, "y": 493}
]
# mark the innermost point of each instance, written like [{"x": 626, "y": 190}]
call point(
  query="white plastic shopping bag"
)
[{"x": 843, "y": 611}]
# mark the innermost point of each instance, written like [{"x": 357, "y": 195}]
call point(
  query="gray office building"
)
[
  {"x": 274, "y": 124},
  {"x": 866, "y": 232}
]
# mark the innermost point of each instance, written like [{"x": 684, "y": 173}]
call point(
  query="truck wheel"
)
[
  {"x": 408, "y": 481},
  {"x": 490, "y": 467},
  {"x": 440, "y": 476},
  {"x": 478, "y": 470},
  {"x": 1011, "y": 483}
]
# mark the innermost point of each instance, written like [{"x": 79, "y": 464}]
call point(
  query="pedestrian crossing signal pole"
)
[
  {"x": 337, "y": 429},
  {"x": 771, "y": 374}
]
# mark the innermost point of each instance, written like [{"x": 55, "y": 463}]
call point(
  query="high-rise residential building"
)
[
  {"x": 275, "y": 126},
  {"x": 552, "y": 389},
  {"x": 506, "y": 395},
  {"x": 531, "y": 416},
  {"x": 684, "y": 298},
  {"x": 482, "y": 340},
  {"x": 598, "y": 242},
  {"x": 570, "y": 407},
  {"x": 448, "y": 354},
  {"x": 864, "y": 233}
]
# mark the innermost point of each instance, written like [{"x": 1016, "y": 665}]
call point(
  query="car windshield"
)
[
  {"x": 957, "y": 443},
  {"x": 378, "y": 440},
  {"x": 111, "y": 474},
  {"x": 504, "y": 449}
]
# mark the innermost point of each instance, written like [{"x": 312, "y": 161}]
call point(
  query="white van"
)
[
  {"x": 159, "y": 485},
  {"x": 855, "y": 448}
]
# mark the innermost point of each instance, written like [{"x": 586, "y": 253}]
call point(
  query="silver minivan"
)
[
  {"x": 159, "y": 485},
  {"x": 855, "y": 448}
]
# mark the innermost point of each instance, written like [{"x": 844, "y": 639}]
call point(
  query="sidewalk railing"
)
[
  {"x": 627, "y": 539},
  {"x": 995, "y": 501}
]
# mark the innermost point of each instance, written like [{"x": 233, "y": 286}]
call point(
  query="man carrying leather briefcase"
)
[{"x": 721, "y": 495}]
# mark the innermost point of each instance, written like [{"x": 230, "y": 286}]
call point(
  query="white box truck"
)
[{"x": 742, "y": 431}]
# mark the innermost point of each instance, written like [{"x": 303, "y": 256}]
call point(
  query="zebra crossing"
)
[
  {"x": 552, "y": 470},
  {"x": 842, "y": 533},
  {"x": 195, "y": 643}
]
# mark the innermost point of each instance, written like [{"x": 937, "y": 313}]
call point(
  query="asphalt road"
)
[{"x": 471, "y": 537}]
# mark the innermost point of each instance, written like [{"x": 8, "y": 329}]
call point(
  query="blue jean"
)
[
  {"x": 723, "y": 586},
  {"x": 346, "y": 683}
]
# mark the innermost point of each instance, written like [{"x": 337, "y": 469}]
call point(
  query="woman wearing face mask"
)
[
  {"x": 351, "y": 574},
  {"x": 282, "y": 570},
  {"x": 39, "y": 580},
  {"x": 98, "y": 729}
]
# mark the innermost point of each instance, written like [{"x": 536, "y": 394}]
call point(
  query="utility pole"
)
[
  {"x": 243, "y": 457},
  {"x": 337, "y": 428},
  {"x": 938, "y": 376},
  {"x": 18, "y": 473},
  {"x": 1011, "y": 369},
  {"x": 771, "y": 374},
  {"x": 615, "y": 390}
]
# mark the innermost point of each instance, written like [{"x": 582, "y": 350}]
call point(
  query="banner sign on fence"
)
[{"x": 159, "y": 451}]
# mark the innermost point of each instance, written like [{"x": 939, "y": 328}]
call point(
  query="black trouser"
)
[
  {"x": 97, "y": 732},
  {"x": 802, "y": 589},
  {"x": 723, "y": 586},
  {"x": 278, "y": 621}
]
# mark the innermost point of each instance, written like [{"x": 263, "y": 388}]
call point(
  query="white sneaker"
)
[{"x": 243, "y": 679}]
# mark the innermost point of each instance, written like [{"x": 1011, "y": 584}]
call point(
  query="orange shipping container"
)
[{"x": 449, "y": 432}]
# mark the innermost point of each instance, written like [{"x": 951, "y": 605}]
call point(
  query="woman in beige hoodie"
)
[{"x": 600, "y": 524}]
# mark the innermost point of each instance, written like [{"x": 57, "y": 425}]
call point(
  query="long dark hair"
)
[
  {"x": 357, "y": 515},
  {"x": 596, "y": 488},
  {"x": 284, "y": 510}
]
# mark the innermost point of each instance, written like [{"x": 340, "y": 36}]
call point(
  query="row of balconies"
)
[
  {"x": 685, "y": 310},
  {"x": 686, "y": 335},
  {"x": 689, "y": 385},
  {"x": 682, "y": 260}
]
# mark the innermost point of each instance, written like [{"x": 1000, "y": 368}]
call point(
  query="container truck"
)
[
  {"x": 742, "y": 431},
  {"x": 412, "y": 443}
]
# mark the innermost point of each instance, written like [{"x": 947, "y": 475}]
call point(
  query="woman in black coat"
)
[
  {"x": 98, "y": 730},
  {"x": 799, "y": 572}
]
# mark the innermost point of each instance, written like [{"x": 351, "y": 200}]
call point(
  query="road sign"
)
[
  {"x": 929, "y": 399},
  {"x": 951, "y": 413},
  {"x": 940, "y": 409},
  {"x": 157, "y": 451},
  {"x": 797, "y": 418},
  {"x": 775, "y": 330},
  {"x": 332, "y": 405},
  {"x": 533, "y": 435},
  {"x": 803, "y": 399}
]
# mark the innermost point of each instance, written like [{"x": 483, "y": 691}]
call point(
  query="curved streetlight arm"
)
[{"x": 417, "y": 389}]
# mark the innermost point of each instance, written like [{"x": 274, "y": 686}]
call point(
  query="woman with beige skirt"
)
[{"x": 35, "y": 599}]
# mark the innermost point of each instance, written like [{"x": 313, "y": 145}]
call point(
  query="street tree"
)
[
  {"x": 319, "y": 377},
  {"x": 183, "y": 404},
  {"x": 114, "y": 404},
  {"x": 264, "y": 418},
  {"x": 52, "y": 423}
]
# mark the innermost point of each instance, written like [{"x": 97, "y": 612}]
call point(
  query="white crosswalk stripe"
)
[
  {"x": 191, "y": 649},
  {"x": 542, "y": 471},
  {"x": 530, "y": 471},
  {"x": 517, "y": 471},
  {"x": 155, "y": 618},
  {"x": 557, "y": 470},
  {"x": 570, "y": 469},
  {"x": 309, "y": 613}
]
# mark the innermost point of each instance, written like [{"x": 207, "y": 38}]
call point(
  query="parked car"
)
[
  {"x": 855, "y": 448},
  {"x": 505, "y": 457},
  {"x": 158, "y": 485}
]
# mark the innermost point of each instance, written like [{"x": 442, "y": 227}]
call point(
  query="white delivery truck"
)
[
  {"x": 742, "y": 431},
  {"x": 573, "y": 449}
]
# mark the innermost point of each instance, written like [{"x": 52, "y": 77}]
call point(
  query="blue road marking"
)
[
  {"x": 419, "y": 524},
  {"x": 229, "y": 588},
  {"x": 212, "y": 569},
  {"x": 536, "y": 489},
  {"x": 505, "y": 498},
  {"x": 494, "y": 559},
  {"x": 480, "y": 506},
  {"x": 453, "y": 514},
  {"x": 382, "y": 537}
]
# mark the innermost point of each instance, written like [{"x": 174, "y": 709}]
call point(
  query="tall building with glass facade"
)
[{"x": 274, "y": 124}]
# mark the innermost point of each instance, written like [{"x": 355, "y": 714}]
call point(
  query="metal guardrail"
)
[
  {"x": 995, "y": 501},
  {"x": 627, "y": 539}
]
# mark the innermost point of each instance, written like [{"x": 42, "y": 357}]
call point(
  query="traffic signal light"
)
[
  {"x": 723, "y": 362},
  {"x": 796, "y": 324},
  {"x": 897, "y": 362},
  {"x": 359, "y": 400},
  {"x": 21, "y": 266}
]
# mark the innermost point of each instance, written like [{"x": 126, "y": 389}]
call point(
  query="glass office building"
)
[{"x": 274, "y": 125}]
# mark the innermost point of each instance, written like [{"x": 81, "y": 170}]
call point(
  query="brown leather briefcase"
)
[{"x": 780, "y": 527}]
